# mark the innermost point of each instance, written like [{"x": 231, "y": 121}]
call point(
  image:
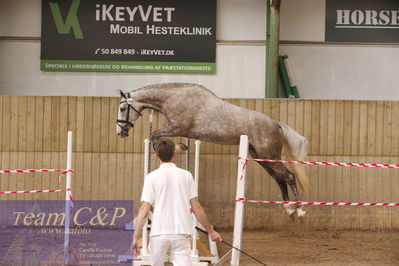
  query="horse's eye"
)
[{"x": 123, "y": 109}]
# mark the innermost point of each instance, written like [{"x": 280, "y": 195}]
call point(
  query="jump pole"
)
[
  {"x": 196, "y": 259},
  {"x": 145, "y": 258},
  {"x": 194, "y": 250},
  {"x": 147, "y": 167},
  {"x": 149, "y": 142},
  {"x": 144, "y": 249},
  {"x": 188, "y": 154},
  {"x": 240, "y": 193},
  {"x": 194, "y": 253},
  {"x": 68, "y": 197}
]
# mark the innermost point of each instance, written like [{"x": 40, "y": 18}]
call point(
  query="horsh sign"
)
[
  {"x": 129, "y": 36},
  {"x": 362, "y": 21}
]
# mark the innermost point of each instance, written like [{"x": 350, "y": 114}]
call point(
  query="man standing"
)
[{"x": 171, "y": 191}]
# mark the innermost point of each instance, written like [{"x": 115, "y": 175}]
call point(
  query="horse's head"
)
[{"x": 128, "y": 112}]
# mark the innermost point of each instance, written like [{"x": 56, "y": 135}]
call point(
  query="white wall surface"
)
[
  {"x": 345, "y": 72},
  {"x": 239, "y": 20},
  {"x": 240, "y": 72},
  {"x": 302, "y": 20},
  {"x": 20, "y": 18},
  {"x": 321, "y": 71}
]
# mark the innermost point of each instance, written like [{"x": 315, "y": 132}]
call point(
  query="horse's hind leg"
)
[
  {"x": 281, "y": 174},
  {"x": 294, "y": 188},
  {"x": 283, "y": 177},
  {"x": 280, "y": 181},
  {"x": 284, "y": 191},
  {"x": 288, "y": 177}
]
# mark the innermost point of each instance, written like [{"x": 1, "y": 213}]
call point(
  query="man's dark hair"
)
[{"x": 165, "y": 148}]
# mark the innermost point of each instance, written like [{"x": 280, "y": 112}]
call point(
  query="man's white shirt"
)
[{"x": 169, "y": 190}]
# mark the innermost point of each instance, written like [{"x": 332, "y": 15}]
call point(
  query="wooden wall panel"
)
[
  {"x": 33, "y": 135},
  {"x": 6, "y": 126},
  {"x": 55, "y": 123},
  {"x": 63, "y": 123},
  {"x": 14, "y": 122},
  {"x": 80, "y": 124},
  {"x": 47, "y": 123}
]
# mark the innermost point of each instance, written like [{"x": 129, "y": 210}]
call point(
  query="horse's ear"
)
[{"x": 121, "y": 93}]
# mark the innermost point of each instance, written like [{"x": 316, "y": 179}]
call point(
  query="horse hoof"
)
[
  {"x": 180, "y": 147},
  {"x": 288, "y": 208},
  {"x": 300, "y": 213}
]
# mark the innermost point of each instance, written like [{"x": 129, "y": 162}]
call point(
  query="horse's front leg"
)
[
  {"x": 164, "y": 132},
  {"x": 169, "y": 131}
]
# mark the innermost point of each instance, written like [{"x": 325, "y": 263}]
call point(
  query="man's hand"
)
[
  {"x": 139, "y": 224},
  {"x": 215, "y": 236},
  {"x": 136, "y": 248},
  {"x": 203, "y": 219},
  {"x": 135, "y": 245},
  {"x": 132, "y": 248}
]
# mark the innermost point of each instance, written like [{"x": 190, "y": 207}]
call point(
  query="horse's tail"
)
[{"x": 296, "y": 146}]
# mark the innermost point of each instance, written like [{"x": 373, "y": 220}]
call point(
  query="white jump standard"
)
[
  {"x": 68, "y": 191},
  {"x": 240, "y": 193}
]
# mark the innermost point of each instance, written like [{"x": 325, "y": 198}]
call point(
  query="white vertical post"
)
[
  {"x": 144, "y": 249},
  {"x": 69, "y": 166},
  {"x": 68, "y": 193},
  {"x": 146, "y": 153},
  {"x": 196, "y": 162},
  {"x": 240, "y": 193},
  {"x": 149, "y": 142},
  {"x": 188, "y": 154},
  {"x": 196, "y": 176}
]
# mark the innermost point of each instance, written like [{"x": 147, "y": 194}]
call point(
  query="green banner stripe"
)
[{"x": 127, "y": 66}]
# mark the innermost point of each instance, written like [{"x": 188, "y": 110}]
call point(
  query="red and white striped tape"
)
[
  {"x": 318, "y": 203},
  {"x": 36, "y": 191},
  {"x": 13, "y": 171},
  {"x": 377, "y": 165}
]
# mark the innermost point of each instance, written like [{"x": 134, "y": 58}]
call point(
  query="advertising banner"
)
[
  {"x": 44, "y": 233},
  {"x": 362, "y": 21},
  {"x": 129, "y": 36}
]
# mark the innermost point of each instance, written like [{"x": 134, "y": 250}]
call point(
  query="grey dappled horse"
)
[{"x": 192, "y": 111}]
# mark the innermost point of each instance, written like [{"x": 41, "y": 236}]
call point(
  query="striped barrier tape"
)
[
  {"x": 36, "y": 191},
  {"x": 318, "y": 203},
  {"x": 375, "y": 165},
  {"x": 243, "y": 167},
  {"x": 13, "y": 171}
]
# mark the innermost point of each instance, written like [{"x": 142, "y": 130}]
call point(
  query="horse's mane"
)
[{"x": 170, "y": 86}]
